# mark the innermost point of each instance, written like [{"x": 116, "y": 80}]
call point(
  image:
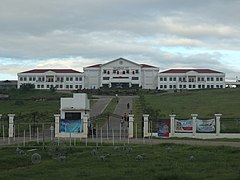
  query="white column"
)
[
  {"x": 145, "y": 125},
  {"x": 0, "y": 122},
  {"x": 11, "y": 123},
  {"x": 218, "y": 117},
  {"x": 85, "y": 125},
  {"x": 172, "y": 124},
  {"x": 57, "y": 120},
  {"x": 194, "y": 123},
  {"x": 130, "y": 128}
]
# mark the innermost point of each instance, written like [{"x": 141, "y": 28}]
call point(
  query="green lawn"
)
[
  {"x": 205, "y": 103},
  {"x": 165, "y": 161}
]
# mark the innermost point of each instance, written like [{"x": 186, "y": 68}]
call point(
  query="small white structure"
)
[
  {"x": 73, "y": 120},
  {"x": 11, "y": 125}
]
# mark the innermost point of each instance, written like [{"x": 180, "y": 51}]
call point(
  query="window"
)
[
  {"x": 114, "y": 71},
  {"x": 71, "y": 86},
  {"x": 161, "y": 86},
  {"x": 161, "y": 79},
  {"x": 80, "y": 78},
  {"x": 67, "y": 78},
  {"x": 123, "y": 72},
  {"x": 165, "y": 86},
  {"x": 76, "y": 86},
  {"x": 199, "y": 79},
  {"x": 217, "y": 79},
  {"x": 127, "y": 71},
  {"x": 104, "y": 71},
  {"x": 71, "y": 79},
  {"x": 48, "y": 86},
  {"x": 61, "y": 86},
  {"x": 134, "y": 78},
  {"x": 194, "y": 86},
  {"x": 190, "y": 86},
  {"x": 30, "y": 78},
  {"x": 221, "y": 79},
  {"x": 202, "y": 78},
  {"x": 67, "y": 86},
  {"x": 170, "y": 86},
  {"x": 180, "y": 79},
  {"x": 21, "y": 79},
  {"x": 165, "y": 79},
  {"x": 180, "y": 86},
  {"x": 208, "y": 86},
  {"x": 56, "y": 86},
  {"x": 174, "y": 86},
  {"x": 105, "y": 78},
  {"x": 76, "y": 78},
  {"x": 212, "y": 86},
  {"x": 42, "y": 86},
  {"x": 212, "y": 79},
  {"x": 203, "y": 86},
  {"x": 38, "y": 86},
  {"x": 170, "y": 79},
  {"x": 208, "y": 79},
  {"x": 199, "y": 86},
  {"x": 108, "y": 72},
  {"x": 137, "y": 71},
  {"x": 80, "y": 86},
  {"x": 25, "y": 79},
  {"x": 133, "y": 72},
  {"x": 174, "y": 79}
]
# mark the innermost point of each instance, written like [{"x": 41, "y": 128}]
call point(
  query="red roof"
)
[
  {"x": 94, "y": 66},
  {"x": 187, "y": 70},
  {"x": 54, "y": 70},
  {"x": 147, "y": 66}
]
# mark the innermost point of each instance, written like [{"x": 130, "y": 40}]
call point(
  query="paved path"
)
[
  {"x": 100, "y": 105},
  {"x": 121, "y": 108}
]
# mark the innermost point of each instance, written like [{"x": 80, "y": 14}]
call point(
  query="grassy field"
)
[
  {"x": 165, "y": 161},
  {"x": 205, "y": 103}
]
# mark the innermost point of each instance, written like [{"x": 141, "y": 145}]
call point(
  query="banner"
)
[
  {"x": 73, "y": 126},
  {"x": 206, "y": 125},
  {"x": 163, "y": 128},
  {"x": 183, "y": 125}
]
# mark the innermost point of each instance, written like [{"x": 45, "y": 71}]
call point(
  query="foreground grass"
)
[{"x": 165, "y": 161}]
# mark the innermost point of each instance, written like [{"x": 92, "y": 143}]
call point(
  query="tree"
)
[{"x": 27, "y": 86}]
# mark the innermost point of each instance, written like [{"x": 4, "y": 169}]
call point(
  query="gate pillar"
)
[
  {"x": 11, "y": 124},
  {"x": 130, "y": 128}
]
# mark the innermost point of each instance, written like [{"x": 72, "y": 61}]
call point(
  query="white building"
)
[
  {"x": 62, "y": 79},
  {"x": 190, "y": 79},
  {"x": 121, "y": 73}
]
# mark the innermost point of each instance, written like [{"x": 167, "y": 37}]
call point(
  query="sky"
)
[{"x": 79, "y": 33}]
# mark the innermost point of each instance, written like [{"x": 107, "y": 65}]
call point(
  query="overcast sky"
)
[{"x": 78, "y": 33}]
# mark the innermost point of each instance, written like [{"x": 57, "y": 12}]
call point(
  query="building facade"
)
[
  {"x": 61, "y": 79},
  {"x": 190, "y": 79},
  {"x": 122, "y": 73}
]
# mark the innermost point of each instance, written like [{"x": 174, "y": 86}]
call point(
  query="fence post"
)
[
  {"x": 0, "y": 123},
  {"x": 11, "y": 122},
  {"x": 130, "y": 130},
  {"x": 85, "y": 125},
  {"x": 172, "y": 125},
  {"x": 30, "y": 132},
  {"x": 218, "y": 117},
  {"x": 194, "y": 124},
  {"x": 57, "y": 119},
  {"x": 145, "y": 125}
]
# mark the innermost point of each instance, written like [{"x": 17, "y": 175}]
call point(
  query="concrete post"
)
[
  {"x": 0, "y": 122},
  {"x": 145, "y": 125},
  {"x": 57, "y": 120},
  {"x": 85, "y": 125},
  {"x": 194, "y": 124},
  {"x": 130, "y": 126},
  {"x": 172, "y": 124},
  {"x": 11, "y": 124},
  {"x": 218, "y": 117}
]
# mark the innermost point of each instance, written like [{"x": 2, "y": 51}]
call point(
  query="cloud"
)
[{"x": 76, "y": 33}]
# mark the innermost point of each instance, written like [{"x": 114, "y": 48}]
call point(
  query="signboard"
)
[
  {"x": 183, "y": 125},
  {"x": 206, "y": 125},
  {"x": 71, "y": 126},
  {"x": 163, "y": 128}
]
